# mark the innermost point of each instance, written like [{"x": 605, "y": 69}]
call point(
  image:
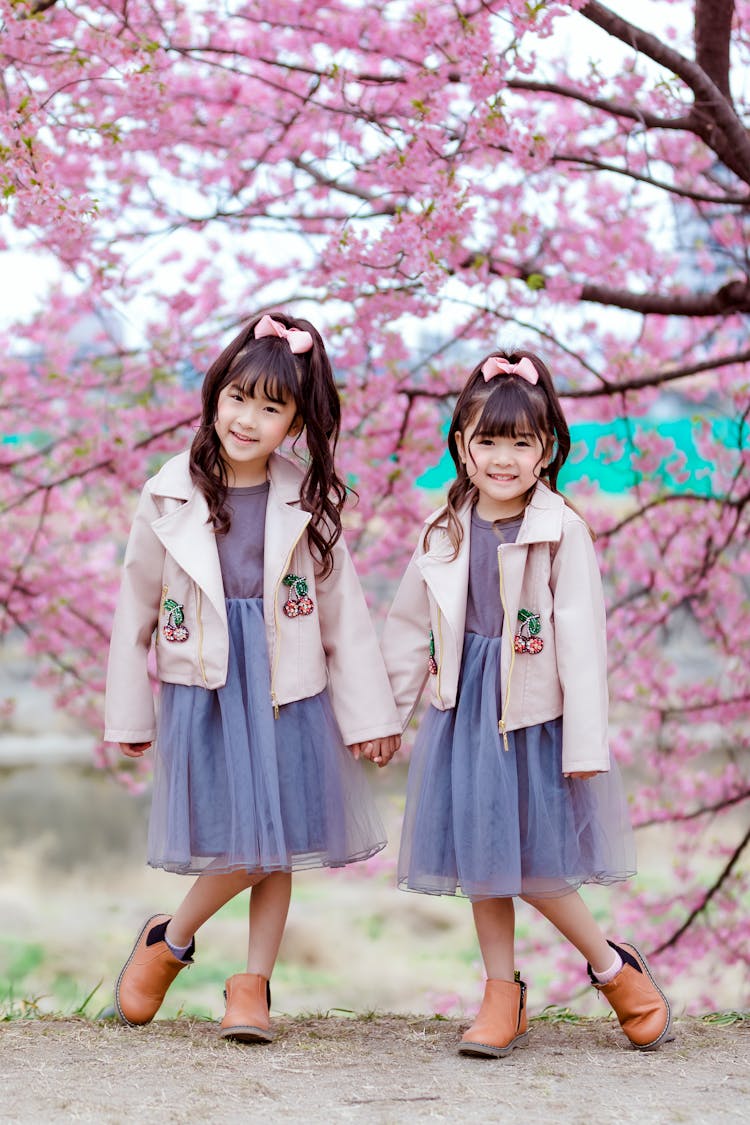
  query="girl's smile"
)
[
  {"x": 250, "y": 427},
  {"x": 503, "y": 470}
]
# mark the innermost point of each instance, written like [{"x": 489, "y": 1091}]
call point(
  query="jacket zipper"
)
[
  {"x": 506, "y": 702},
  {"x": 440, "y": 656},
  {"x": 198, "y": 601},
  {"x": 164, "y": 592},
  {"x": 277, "y": 646}
]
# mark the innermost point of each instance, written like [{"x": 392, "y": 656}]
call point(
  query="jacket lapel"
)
[
  {"x": 542, "y": 523},
  {"x": 285, "y": 525},
  {"x": 512, "y": 562},
  {"x": 448, "y": 579},
  {"x": 189, "y": 538}
]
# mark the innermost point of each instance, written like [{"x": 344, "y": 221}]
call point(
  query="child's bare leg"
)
[
  {"x": 495, "y": 921},
  {"x": 269, "y": 906},
  {"x": 572, "y": 917},
  {"x": 501, "y": 1023},
  {"x": 207, "y": 895},
  {"x": 247, "y": 1017}
]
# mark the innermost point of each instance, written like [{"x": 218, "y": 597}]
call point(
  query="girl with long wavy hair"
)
[{"x": 271, "y": 680}]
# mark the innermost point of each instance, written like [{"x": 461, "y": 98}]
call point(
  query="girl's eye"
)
[{"x": 237, "y": 396}]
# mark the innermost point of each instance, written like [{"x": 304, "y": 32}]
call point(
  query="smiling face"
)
[
  {"x": 503, "y": 469},
  {"x": 250, "y": 426}
]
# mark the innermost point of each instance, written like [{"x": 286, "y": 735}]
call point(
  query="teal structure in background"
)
[{"x": 586, "y": 461}]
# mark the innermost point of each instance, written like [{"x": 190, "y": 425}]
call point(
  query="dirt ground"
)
[{"x": 380, "y": 1070}]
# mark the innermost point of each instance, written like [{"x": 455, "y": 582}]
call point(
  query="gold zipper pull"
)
[
  {"x": 275, "y": 706},
  {"x": 504, "y": 733}
]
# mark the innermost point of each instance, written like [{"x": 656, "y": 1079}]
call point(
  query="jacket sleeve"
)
[
  {"x": 129, "y": 713},
  {"x": 357, "y": 680},
  {"x": 406, "y": 641},
  {"x": 581, "y": 650}
]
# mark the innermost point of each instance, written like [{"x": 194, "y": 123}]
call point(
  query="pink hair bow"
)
[
  {"x": 496, "y": 365},
  {"x": 297, "y": 340}
]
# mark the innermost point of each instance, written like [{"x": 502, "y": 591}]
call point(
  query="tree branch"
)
[
  {"x": 713, "y": 114},
  {"x": 711, "y": 893},
  {"x": 713, "y": 28},
  {"x": 725, "y": 200},
  {"x": 613, "y": 109},
  {"x": 695, "y": 814},
  {"x": 345, "y": 189},
  {"x": 734, "y": 297},
  {"x": 659, "y": 378}
]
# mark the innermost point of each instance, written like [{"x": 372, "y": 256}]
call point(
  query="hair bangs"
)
[
  {"x": 511, "y": 410},
  {"x": 270, "y": 368}
]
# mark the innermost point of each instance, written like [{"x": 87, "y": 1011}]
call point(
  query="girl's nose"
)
[{"x": 247, "y": 416}]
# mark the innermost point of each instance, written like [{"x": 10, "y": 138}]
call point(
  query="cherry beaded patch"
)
[
  {"x": 175, "y": 628},
  {"x": 527, "y": 638},
  {"x": 301, "y": 605}
]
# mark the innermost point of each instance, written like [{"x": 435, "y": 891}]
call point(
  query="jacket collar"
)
[
  {"x": 543, "y": 518},
  {"x": 542, "y": 523},
  {"x": 173, "y": 479},
  {"x": 186, "y": 532}
]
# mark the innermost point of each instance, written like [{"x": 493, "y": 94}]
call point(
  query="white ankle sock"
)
[
  {"x": 610, "y": 973},
  {"x": 178, "y": 950}
]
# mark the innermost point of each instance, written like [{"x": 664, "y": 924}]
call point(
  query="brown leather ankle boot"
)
[
  {"x": 148, "y": 973},
  {"x": 639, "y": 1004},
  {"x": 246, "y": 1018},
  {"x": 501, "y": 1022}
]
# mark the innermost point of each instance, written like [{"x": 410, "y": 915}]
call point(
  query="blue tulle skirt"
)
[
  {"x": 235, "y": 788},
  {"x": 487, "y": 822}
]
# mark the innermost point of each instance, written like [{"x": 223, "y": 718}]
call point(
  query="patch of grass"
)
[
  {"x": 724, "y": 1019},
  {"x": 555, "y": 1013},
  {"x": 18, "y": 1008}
]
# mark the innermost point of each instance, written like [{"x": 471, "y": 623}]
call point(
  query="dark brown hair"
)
[
  {"x": 503, "y": 407},
  {"x": 307, "y": 380}
]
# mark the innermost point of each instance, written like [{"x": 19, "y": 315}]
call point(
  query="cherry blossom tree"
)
[{"x": 426, "y": 181}]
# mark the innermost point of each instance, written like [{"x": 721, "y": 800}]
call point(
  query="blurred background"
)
[{"x": 427, "y": 183}]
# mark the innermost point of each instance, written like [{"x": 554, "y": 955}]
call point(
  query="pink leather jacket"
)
[
  {"x": 551, "y": 572},
  {"x": 172, "y": 558}
]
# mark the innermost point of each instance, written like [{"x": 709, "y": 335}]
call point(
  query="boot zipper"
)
[{"x": 521, "y": 999}]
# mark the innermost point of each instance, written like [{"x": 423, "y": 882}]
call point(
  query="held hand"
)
[
  {"x": 386, "y": 750},
  {"x": 583, "y": 775},
  {"x": 134, "y": 749},
  {"x": 378, "y": 750}
]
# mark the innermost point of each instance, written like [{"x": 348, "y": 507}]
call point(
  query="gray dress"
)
[
  {"x": 234, "y": 787},
  {"x": 491, "y": 823}
]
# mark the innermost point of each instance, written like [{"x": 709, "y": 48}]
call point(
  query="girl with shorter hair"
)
[
  {"x": 511, "y": 792},
  {"x": 268, "y": 665}
]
